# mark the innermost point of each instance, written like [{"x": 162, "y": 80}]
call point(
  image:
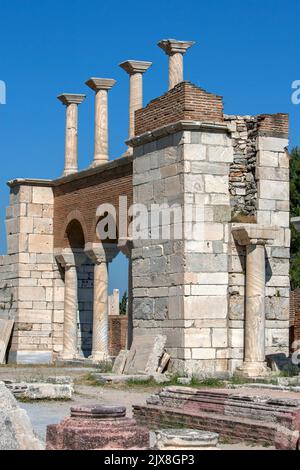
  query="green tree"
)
[
  {"x": 295, "y": 212},
  {"x": 123, "y": 304}
]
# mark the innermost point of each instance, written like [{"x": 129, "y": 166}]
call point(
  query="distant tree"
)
[
  {"x": 295, "y": 212},
  {"x": 123, "y": 304}
]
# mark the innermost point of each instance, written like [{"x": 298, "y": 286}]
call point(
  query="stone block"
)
[
  {"x": 236, "y": 338},
  {"x": 216, "y": 184},
  {"x": 273, "y": 144},
  {"x": 219, "y": 337},
  {"x": 200, "y": 307},
  {"x": 267, "y": 159},
  {"x": 220, "y": 154},
  {"x": 213, "y": 138},
  {"x": 197, "y": 338},
  {"x": 273, "y": 190},
  {"x": 203, "y": 353},
  {"x": 42, "y": 195},
  {"x": 194, "y": 152},
  {"x": 40, "y": 243},
  {"x": 145, "y": 354}
]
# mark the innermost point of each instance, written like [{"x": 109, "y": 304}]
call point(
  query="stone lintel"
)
[
  {"x": 97, "y": 84},
  {"x": 172, "y": 46},
  {"x": 67, "y": 257},
  {"x": 169, "y": 129},
  {"x": 101, "y": 252},
  {"x": 125, "y": 245},
  {"x": 29, "y": 182},
  {"x": 253, "y": 234},
  {"x": 135, "y": 66},
  {"x": 71, "y": 98}
]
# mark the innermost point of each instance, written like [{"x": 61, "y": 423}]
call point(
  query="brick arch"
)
[{"x": 75, "y": 217}]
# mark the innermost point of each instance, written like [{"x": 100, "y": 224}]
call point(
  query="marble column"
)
[
  {"x": 71, "y": 101},
  {"x": 175, "y": 50},
  {"x": 125, "y": 246},
  {"x": 69, "y": 262},
  {"x": 254, "y": 239},
  {"x": 101, "y": 87},
  {"x": 101, "y": 255},
  {"x": 135, "y": 69}
]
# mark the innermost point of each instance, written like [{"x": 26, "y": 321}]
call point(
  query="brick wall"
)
[
  {"x": 295, "y": 315},
  {"x": 276, "y": 125},
  {"x": 84, "y": 193},
  {"x": 184, "y": 102},
  {"x": 117, "y": 327}
]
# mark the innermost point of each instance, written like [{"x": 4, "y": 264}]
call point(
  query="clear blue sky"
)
[{"x": 247, "y": 51}]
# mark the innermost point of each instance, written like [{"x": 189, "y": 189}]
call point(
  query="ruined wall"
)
[{"x": 33, "y": 273}]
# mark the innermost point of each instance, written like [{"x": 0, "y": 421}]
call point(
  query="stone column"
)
[
  {"x": 101, "y": 255},
  {"x": 71, "y": 152},
  {"x": 254, "y": 238},
  {"x": 175, "y": 50},
  {"x": 135, "y": 69},
  {"x": 69, "y": 261},
  {"x": 125, "y": 245},
  {"x": 101, "y": 87}
]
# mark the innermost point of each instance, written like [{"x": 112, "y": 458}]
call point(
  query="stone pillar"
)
[
  {"x": 69, "y": 261},
  {"x": 175, "y": 50},
  {"x": 135, "y": 69},
  {"x": 125, "y": 246},
  {"x": 101, "y": 255},
  {"x": 71, "y": 153},
  {"x": 101, "y": 87},
  {"x": 254, "y": 238}
]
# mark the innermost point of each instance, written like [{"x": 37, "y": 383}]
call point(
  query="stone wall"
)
[
  {"x": 34, "y": 276},
  {"x": 295, "y": 316},
  {"x": 180, "y": 286},
  {"x": 117, "y": 329}
]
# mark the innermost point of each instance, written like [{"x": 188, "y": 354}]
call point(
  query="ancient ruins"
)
[{"x": 219, "y": 292}]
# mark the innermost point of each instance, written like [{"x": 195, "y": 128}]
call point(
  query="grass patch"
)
[
  {"x": 87, "y": 379},
  {"x": 41, "y": 400}
]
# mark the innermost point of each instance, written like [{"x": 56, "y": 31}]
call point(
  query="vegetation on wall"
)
[
  {"x": 295, "y": 212},
  {"x": 123, "y": 304}
]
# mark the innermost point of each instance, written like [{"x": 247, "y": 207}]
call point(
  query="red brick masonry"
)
[
  {"x": 184, "y": 102},
  {"x": 236, "y": 417},
  {"x": 117, "y": 327}
]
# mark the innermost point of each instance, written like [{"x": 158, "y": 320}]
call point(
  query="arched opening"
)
[
  {"x": 75, "y": 239},
  {"x": 118, "y": 315}
]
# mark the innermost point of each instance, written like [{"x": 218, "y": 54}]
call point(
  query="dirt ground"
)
[{"x": 42, "y": 413}]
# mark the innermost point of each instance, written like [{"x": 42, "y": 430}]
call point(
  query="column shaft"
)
[
  {"x": 255, "y": 304},
  {"x": 130, "y": 305},
  {"x": 71, "y": 163},
  {"x": 70, "y": 313},
  {"x": 100, "y": 312},
  {"x": 101, "y": 128},
  {"x": 135, "y": 99},
  {"x": 175, "y": 69}
]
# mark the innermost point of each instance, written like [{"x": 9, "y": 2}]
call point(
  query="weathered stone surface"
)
[
  {"x": 120, "y": 362},
  {"x": 97, "y": 427},
  {"x": 41, "y": 391},
  {"x": 6, "y": 327},
  {"x": 145, "y": 354},
  {"x": 172, "y": 439},
  {"x": 16, "y": 430}
]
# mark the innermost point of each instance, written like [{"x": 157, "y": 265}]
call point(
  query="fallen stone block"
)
[
  {"x": 41, "y": 391},
  {"x": 6, "y": 327},
  {"x": 124, "y": 378},
  {"x": 16, "y": 430},
  {"x": 185, "y": 439},
  {"x": 239, "y": 417},
  {"x": 97, "y": 427},
  {"x": 120, "y": 362},
  {"x": 145, "y": 354},
  {"x": 184, "y": 380}
]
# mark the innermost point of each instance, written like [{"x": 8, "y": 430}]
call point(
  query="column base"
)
[
  {"x": 253, "y": 370},
  {"x": 99, "y": 356},
  {"x": 98, "y": 162},
  {"x": 67, "y": 356}
]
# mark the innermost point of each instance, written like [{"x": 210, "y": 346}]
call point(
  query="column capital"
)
[
  {"x": 68, "y": 258},
  {"x": 135, "y": 66},
  {"x": 172, "y": 46},
  {"x": 71, "y": 98},
  {"x": 253, "y": 234},
  {"x": 125, "y": 245},
  {"x": 97, "y": 84},
  {"x": 101, "y": 252}
]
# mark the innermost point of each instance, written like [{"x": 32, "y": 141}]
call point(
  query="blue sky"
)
[{"x": 247, "y": 51}]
